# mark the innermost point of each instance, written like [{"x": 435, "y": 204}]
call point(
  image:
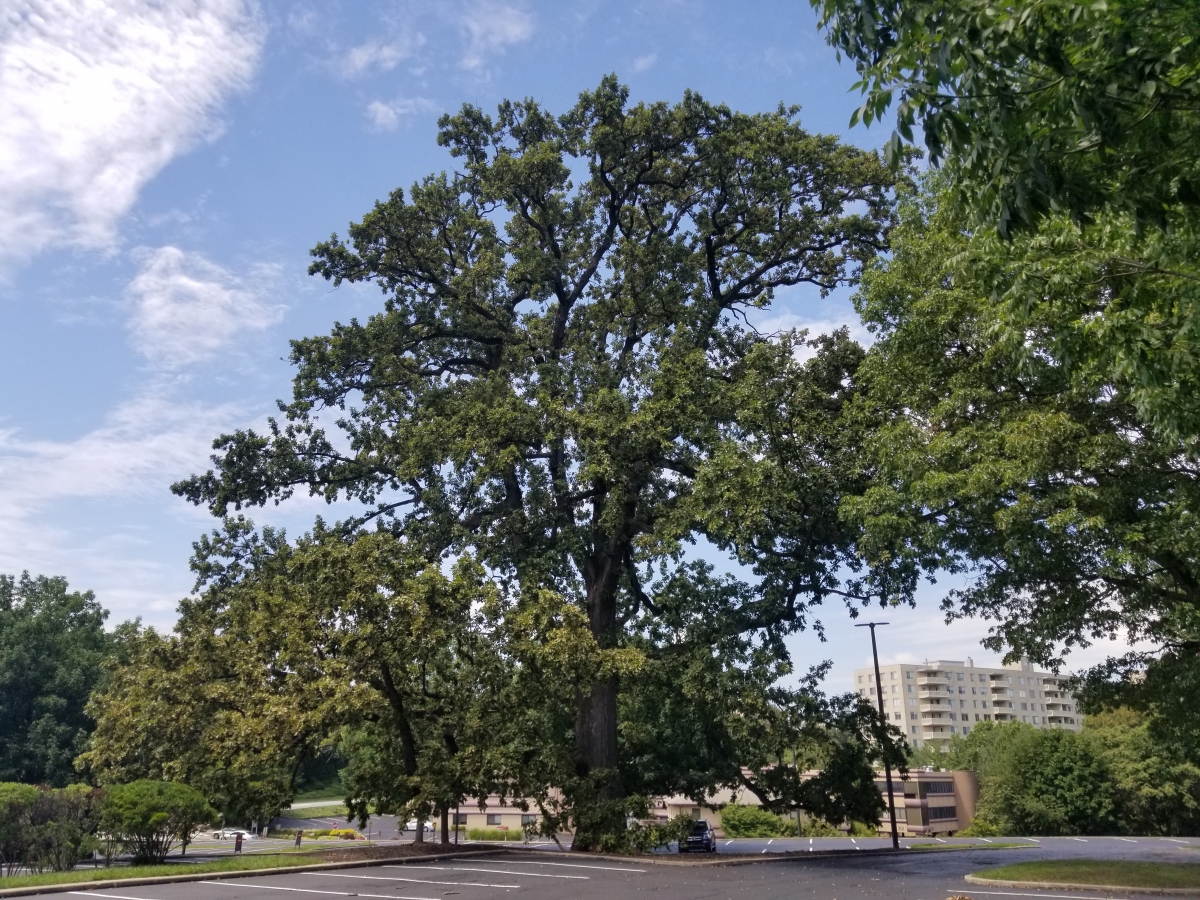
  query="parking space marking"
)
[
  {"x": 275, "y": 887},
  {"x": 112, "y": 896},
  {"x": 1081, "y": 840},
  {"x": 986, "y": 840},
  {"x": 1055, "y": 896},
  {"x": 1127, "y": 840},
  {"x": 524, "y": 862},
  {"x": 1175, "y": 841},
  {"x": 411, "y": 880},
  {"x": 495, "y": 872}
]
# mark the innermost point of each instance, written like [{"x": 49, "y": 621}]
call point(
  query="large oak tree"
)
[{"x": 560, "y": 375}]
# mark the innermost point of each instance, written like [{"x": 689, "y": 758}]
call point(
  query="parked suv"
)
[{"x": 701, "y": 837}]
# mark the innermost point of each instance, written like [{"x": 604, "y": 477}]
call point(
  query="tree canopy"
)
[
  {"x": 563, "y": 380},
  {"x": 53, "y": 649},
  {"x": 1074, "y": 123}
]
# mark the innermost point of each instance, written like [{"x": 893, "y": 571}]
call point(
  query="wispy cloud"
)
[
  {"x": 386, "y": 115},
  {"x": 186, "y": 308},
  {"x": 492, "y": 27},
  {"x": 642, "y": 63},
  {"x": 96, "y": 97},
  {"x": 376, "y": 55}
]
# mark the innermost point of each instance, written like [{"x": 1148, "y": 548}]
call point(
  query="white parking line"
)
[
  {"x": 113, "y": 896},
  {"x": 770, "y": 842},
  {"x": 497, "y": 872},
  {"x": 727, "y": 843},
  {"x": 1081, "y": 840},
  {"x": 986, "y": 840},
  {"x": 411, "y": 880},
  {"x": 1055, "y": 896},
  {"x": 1127, "y": 840},
  {"x": 1035, "y": 840},
  {"x": 514, "y": 862},
  {"x": 939, "y": 840},
  {"x": 855, "y": 843},
  {"x": 272, "y": 887},
  {"x": 1175, "y": 841}
]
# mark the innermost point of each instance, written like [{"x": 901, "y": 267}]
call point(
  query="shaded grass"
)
[
  {"x": 318, "y": 812},
  {"x": 229, "y": 864},
  {"x": 1117, "y": 873}
]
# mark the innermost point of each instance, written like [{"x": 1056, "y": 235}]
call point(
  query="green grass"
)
[
  {"x": 992, "y": 846},
  {"x": 318, "y": 812},
  {"x": 1117, "y": 873},
  {"x": 235, "y": 864}
]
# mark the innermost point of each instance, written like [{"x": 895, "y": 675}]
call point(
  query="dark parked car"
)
[{"x": 701, "y": 837}]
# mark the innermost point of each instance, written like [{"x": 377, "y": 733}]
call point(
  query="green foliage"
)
[
  {"x": 646, "y": 838},
  {"x": 47, "y": 828},
  {"x": 862, "y": 829},
  {"x": 1109, "y": 872},
  {"x": 1073, "y": 124},
  {"x": 152, "y": 815},
  {"x": 814, "y": 827},
  {"x": 495, "y": 834},
  {"x": 53, "y": 648},
  {"x": 560, "y": 385},
  {"x": 1155, "y": 782},
  {"x": 1072, "y": 105},
  {"x": 1039, "y": 478},
  {"x": 742, "y": 820},
  {"x": 245, "y": 862}
]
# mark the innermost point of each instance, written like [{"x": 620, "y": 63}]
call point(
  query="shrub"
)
[
  {"x": 494, "y": 834},
  {"x": 152, "y": 815},
  {"x": 743, "y": 821},
  {"x": 647, "y": 838},
  {"x": 818, "y": 828},
  {"x": 862, "y": 829},
  {"x": 43, "y": 828}
]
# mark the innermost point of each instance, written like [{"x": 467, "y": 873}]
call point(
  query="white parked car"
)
[
  {"x": 411, "y": 825},
  {"x": 228, "y": 834}
]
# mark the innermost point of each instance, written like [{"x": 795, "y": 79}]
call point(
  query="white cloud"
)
[
  {"x": 380, "y": 55},
  {"x": 642, "y": 63},
  {"x": 492, "y": 27},
  {"x": 386, "y": 116},
  {"x": 186, "y": 308},
  {"x": 96, "y": 97}
]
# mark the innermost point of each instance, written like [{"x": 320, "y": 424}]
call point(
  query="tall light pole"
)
[{"x": 887, "y": 767}]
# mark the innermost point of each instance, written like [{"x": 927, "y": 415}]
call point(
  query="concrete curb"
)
[
  {"x": 1071, "y": 886},
  {"x": 241, "y": 873}
]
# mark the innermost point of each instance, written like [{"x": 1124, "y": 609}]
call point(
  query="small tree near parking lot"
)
[{"x": 153, "y": 815}]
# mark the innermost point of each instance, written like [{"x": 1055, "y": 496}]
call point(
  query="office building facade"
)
[{"x": 934, "y": 701}]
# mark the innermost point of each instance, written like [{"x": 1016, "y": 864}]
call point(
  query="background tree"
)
[
  {"x": 561, "y": 356},
  {"x": 1076, "y": 122},
  {"x": 53, "y": 648},
  {"x": 1035, "y": 475}
]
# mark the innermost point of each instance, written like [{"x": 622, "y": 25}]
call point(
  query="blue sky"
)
[{"x": 164, "y": 170}]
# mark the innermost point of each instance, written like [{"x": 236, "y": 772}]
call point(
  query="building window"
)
[
  {"x": 966, "y": 730},
  {"x": 893, "y": 676},
  {"x": 912, "y": 716},
  {"x": 528, "y": 819},
  {"x": 942, "y": 813},
  {"x": 914, "y": 729},
  {"x": 908, "y": 674},
  {"x": 860, "y": 678},
  {"x": 460, "y": 818},
  {"x": 1024, "y": 706},
  {"x": 953, "y": 729},
  {"x": 493, "y": 818},
  {"x": 939, "y": 787},
  {"x": 1035, "y": 720},
  {"x": 985, "y": 706},
  {"x": 910, "y": 690},
  {"x": 895, "y": 703},
  {"x": 912, "y": 702},
  {"x": 960, "y": 676}
]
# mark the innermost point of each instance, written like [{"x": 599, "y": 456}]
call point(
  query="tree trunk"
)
[
  {"x": 420, "y": 837},
  {"x": 596, "y": 717},
  {"x": 445, "y": 825}
]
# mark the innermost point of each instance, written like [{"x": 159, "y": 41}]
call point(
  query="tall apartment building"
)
[{"x": 938, "y": 699}]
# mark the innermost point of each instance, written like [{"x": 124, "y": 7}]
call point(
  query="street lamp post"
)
[{"x": 887, "y": 767}]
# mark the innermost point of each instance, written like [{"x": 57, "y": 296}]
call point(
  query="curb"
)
[
  {"x": 1071, "y": 886},
  {"x": 70, "y": 886}
]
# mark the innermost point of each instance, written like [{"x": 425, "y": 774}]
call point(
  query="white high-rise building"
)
[{"x": 938, "y": 699}]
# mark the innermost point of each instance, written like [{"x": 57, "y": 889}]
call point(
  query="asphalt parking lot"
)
[{"x": 554, "y": 876}]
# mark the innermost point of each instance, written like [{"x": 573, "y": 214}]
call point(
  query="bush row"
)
[{"x": 49, "y": 829}]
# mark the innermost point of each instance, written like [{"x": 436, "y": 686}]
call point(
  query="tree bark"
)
[{"x": 445, "y": 825}]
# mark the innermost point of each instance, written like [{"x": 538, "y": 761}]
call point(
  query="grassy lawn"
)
[
  {"x": 996, "y": 845},
  {"x": 1118, "y": 873},
  {"x": 229, "y": 864},
  {"x": 317, "y": 812}
]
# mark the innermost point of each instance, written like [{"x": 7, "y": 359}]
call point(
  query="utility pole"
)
[{"x": 887, "y": 767}]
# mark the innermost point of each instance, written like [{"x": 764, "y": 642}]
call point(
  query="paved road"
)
[{"x": 555, "y": 876}]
